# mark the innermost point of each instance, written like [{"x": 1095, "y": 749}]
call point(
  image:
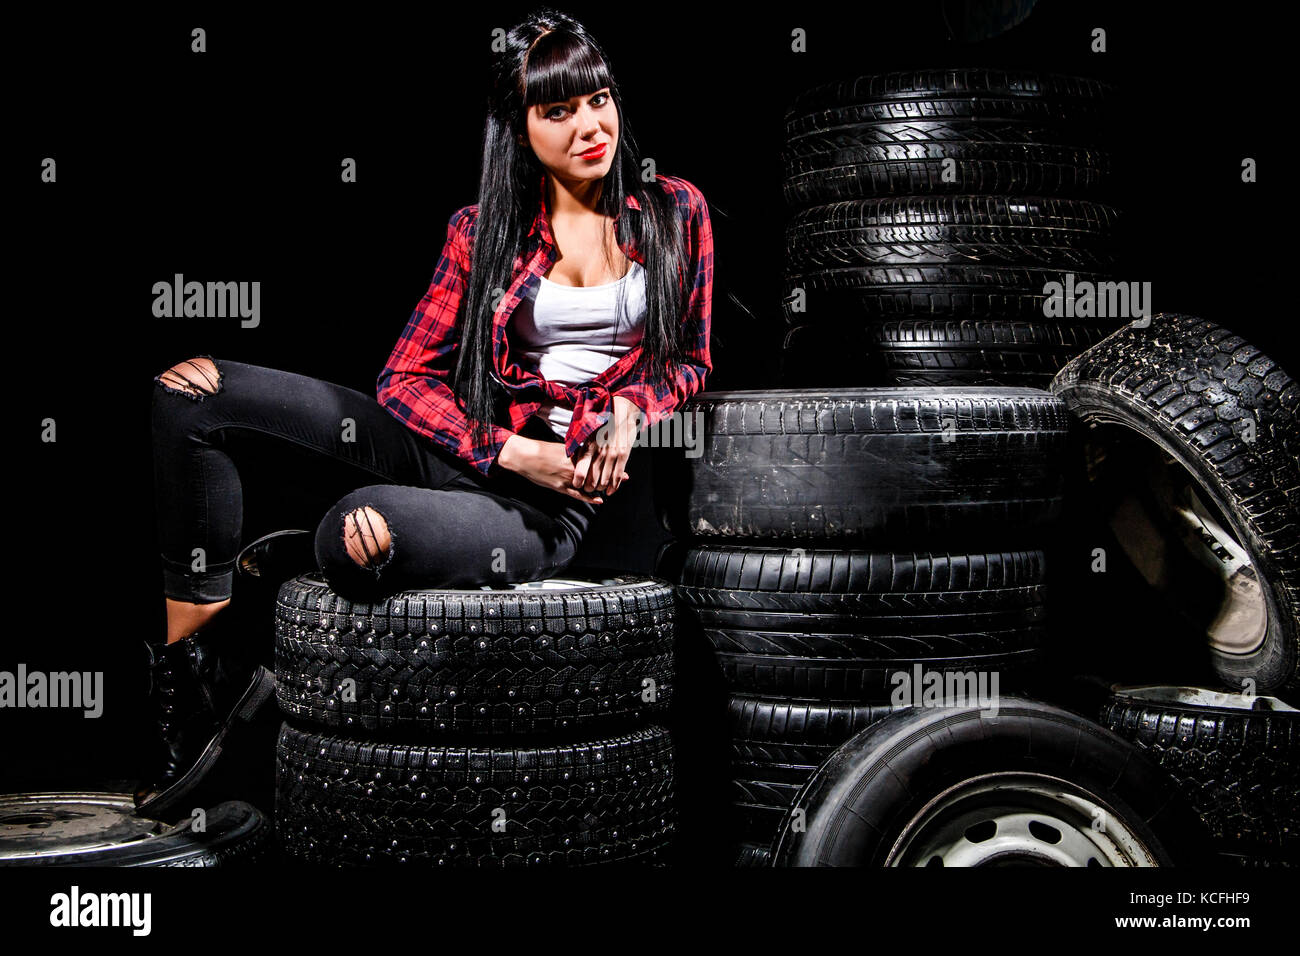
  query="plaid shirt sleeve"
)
[
  {"x": 658, "y": 397},
  {"x": 415, "y": 385}
]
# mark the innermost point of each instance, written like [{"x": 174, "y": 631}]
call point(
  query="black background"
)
[{"x": 225, "y": 166}]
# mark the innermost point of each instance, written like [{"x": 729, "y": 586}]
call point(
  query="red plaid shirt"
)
[{"x": 415, "y": 385}]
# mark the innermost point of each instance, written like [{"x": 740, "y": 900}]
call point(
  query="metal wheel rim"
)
[
  {"x": 547, "y": 584},
  {"x": 34, "y": 825},
  {"x": 1203, "y": 697},
  {"x": 1013, "y": 818},
  {"x": 561, "y": 584},
  {"x": 1180, "y": 516}
]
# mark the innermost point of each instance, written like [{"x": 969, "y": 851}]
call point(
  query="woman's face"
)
[{"x": 560, "y": 132}]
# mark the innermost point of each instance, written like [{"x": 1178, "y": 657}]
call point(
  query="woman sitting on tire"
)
[{"x": 492, "y": 442}]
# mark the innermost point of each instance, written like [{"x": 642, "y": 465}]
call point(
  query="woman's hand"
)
[
  {"x": 543, "y": 463},
  {"x": 599, "y": 466}
]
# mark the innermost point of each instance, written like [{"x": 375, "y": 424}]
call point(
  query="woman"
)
[{"x": 569, "y": 309}]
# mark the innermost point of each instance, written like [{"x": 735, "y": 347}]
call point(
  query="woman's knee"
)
[
  {"x": 195, "y": 378},
  {"x": 356, "y": 531},
  {"x": 355, "y": 544},
  {"x": 366, "y": 537},
  {"x": 407, "y": 536}
]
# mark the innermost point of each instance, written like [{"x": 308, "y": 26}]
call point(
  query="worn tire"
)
[
  {"x": 445, "y": 662},
  {"x": 776, "y": 746},
  {"x": 344, "y": 801},
  {"x": 934, "y": 230},
  {"x": 837, "y": 625},
  {"x": 1239, "y": 766},
  {"x": 922, "y": 353},
  {"x": 752, "y": 856},
  {"x": 957, "y": 94},
  {"x": 954, "y": 290},
  {"x": 888, "y": 795},
  {"x": 1193, "y": 455},
  {"x": 1006, "y": 131},
  {"x": 852, "y": 465},
  {"x": 941, "y": 256}
]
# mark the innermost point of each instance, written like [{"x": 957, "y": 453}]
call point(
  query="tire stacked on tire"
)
[
  {"x": 1190, "y": 472},
  {"x": 481, "y": 728},
  {"x": 842, "y": 537},
  {"x": 931, "y": 209}
]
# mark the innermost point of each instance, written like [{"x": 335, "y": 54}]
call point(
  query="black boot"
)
[{"x": 199, "y": 693}]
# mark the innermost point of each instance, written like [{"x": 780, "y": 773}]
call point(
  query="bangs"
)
[{"x": 560, "y": 67}]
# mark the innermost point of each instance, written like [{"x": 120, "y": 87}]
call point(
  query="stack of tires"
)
[
  {"x": 931, "y": 209},
  {"x": 479, "y": 728},
  {"x": 847, "y": 544},
  {"x": 1189, "y": 454},
  {"x": 885, "y": 521}
]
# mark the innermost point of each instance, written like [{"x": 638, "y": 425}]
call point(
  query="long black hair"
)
[{"x": 549, "y": 57}]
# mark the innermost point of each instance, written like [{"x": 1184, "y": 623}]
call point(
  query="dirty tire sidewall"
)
[{"x": 861, "y": 800}]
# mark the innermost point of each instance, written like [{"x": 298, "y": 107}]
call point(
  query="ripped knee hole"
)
[
  {"x": 366, "y": 537},
  {"x": 195, "y": 377}
]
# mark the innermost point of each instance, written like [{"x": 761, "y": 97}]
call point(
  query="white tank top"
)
[{"x": 570, "y": 334}]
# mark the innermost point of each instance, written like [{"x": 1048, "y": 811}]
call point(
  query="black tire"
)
[
  {"x": 343, "y": 801},
  {"x": 1007, "y": 132},
  {"x": 523, "y": 661},
  {"x": 1209, "y": 518},
  {"x": 938, "y": 230},
  {"x": 102, "y": 829},
  {"x": 753, "y": 857},
  {"x": 923, "y": 353},
  {"x": 840, "y": 625},
  {"x": 973, "y": 20},
  {"x": 915, "y": 789},
  {"x": 955, "y": 290},
  {"x": 776, "y": 746},
  {"x": 1235, "y": 758},
  {"x": 908, "y": 467},
  {"x": 958, "y": 94}
]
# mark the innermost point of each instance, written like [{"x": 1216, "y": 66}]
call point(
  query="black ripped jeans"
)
[{"x": 450, "y": 525}]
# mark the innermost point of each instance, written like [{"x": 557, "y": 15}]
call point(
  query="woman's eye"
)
[{"x": 600, "y": 99}]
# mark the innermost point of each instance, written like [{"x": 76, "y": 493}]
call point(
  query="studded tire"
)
[
  {"x": 525, "y": 661},
  {"x": 1239, "y": 766},
  {"x": 1193, "y": 461},
  {"x": 342, "y": 801}
]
